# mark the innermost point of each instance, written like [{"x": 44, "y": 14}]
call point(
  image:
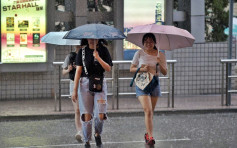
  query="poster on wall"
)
[
  {"x": 140, "y": 12},
  {"x": 23, "y": 23}
]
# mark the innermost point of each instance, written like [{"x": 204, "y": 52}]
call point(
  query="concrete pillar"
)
[
  {"x": 119, "y": 24},
  {"x": 80, "y": 12},
  {"x": 50, "y": 27},
  {"x": 51, "y": 15},
  {"x": 195, "y": 18},
  {"x": 169, "y": 4},
  {"x": 198, "y": 20},
  {"x": 185, "y": 6}
]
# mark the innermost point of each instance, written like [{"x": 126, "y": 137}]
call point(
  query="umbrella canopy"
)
[
  {"x": 95, "y": 31},
  {"x": 167, "y": 37},
  {"x": 57, "y": 39}
]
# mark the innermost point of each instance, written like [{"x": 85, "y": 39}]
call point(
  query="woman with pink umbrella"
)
[
  {"x": 147, "y": 61},
  {"x": 148, "y": 37}
]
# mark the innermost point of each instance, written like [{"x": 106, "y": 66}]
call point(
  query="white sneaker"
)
[{"x": 78, "y": 136}]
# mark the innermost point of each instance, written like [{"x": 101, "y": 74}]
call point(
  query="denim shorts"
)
[{"x": 155, "y": 93}]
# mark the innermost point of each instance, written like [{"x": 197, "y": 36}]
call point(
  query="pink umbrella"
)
[{"x": 167, "y": 37}]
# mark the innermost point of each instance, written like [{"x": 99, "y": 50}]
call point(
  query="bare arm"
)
[
  {"x": 76, "y": 83},
  {"x": 162, "y": 63},
  {"x": 105, "y": 65},
  {"x": 66, "y": 71},
  {"x": 133, "y": 68}
]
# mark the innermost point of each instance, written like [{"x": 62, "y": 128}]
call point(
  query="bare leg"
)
[
  {"x": 147, "y": 107},
  {"x": 87, "y": 117},
  {"x": 153, "y": 102},
  {"x": 77, "y": 115}
]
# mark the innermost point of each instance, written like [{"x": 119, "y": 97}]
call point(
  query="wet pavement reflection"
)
[{"x": 170, "y": 131}]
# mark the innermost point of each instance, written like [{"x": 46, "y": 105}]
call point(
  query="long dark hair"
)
[{"x": 149, "y": 35}]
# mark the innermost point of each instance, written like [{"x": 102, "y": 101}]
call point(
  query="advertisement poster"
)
[
  {"x": 23, "y": 23},
  {"x": 10, "y": 39},
  {"x": 141, "y": 12}
]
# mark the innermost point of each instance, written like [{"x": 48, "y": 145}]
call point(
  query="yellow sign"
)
[{"x": 23, "y": 23}]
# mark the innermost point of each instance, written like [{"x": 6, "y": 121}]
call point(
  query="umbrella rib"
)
[
  {"x": 187, "y": 40},
  {"x": 168, "y": 40}
]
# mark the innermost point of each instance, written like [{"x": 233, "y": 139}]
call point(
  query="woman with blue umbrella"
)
[
  {"x": 92, "y": 61},
  {"x": 93, "y": 104}
]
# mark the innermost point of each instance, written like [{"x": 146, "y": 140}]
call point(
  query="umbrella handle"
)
[
  {"x": 158, "y": 54},
  {"x": 94, "y": 50},
  {"x": 94, "y": 46},
  {"x": 157, "y": 64}
]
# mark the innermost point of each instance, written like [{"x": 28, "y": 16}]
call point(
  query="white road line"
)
[
  {"x": 109, "y": 142},
  {"x": 165, "y": 140}
]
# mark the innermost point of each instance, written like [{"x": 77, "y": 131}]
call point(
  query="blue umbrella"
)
[
  {"x": 57, "y": 39},
  {"x": 95, "y": 31}
]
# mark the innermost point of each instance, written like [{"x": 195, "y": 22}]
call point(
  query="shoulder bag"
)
[{"x": 146, "y": 81}]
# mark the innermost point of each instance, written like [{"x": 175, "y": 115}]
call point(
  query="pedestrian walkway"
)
[{"x": 46, "y": 107}]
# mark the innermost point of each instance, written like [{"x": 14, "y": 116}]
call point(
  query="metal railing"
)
[
  {"x": 115, "y": 83},
  {"x": 228, "y": 89}
]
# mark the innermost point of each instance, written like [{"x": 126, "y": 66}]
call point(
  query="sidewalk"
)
[{"x": 44, "y": 108}]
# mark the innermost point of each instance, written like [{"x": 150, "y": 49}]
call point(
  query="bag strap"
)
[
  {"x": 134, "y": 77},
  {"x": 83, "y": 61}
]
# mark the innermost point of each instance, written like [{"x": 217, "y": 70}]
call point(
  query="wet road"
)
[{"x": 170, "y": 131}]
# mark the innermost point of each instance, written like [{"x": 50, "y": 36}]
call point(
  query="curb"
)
[{"x": 115, "y": 114}]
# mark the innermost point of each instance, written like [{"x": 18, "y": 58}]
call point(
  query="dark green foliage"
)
[{"x": 217, "y": 17}]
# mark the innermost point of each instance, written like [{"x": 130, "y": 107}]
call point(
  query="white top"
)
[{"x": 140, "y": 57}]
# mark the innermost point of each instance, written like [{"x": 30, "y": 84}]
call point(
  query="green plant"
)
[{"x": 216, "y": 21}]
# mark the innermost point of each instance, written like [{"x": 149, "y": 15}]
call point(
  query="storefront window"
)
[
  {"x": 63, "y": 26},
  {"x": 60, "y": 5},
  {"x": 100, "y": 5}
]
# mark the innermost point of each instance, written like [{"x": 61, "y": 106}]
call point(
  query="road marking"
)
[
  {"x": 165, "y": 140},
  {"x": 109, "y": 142}
]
